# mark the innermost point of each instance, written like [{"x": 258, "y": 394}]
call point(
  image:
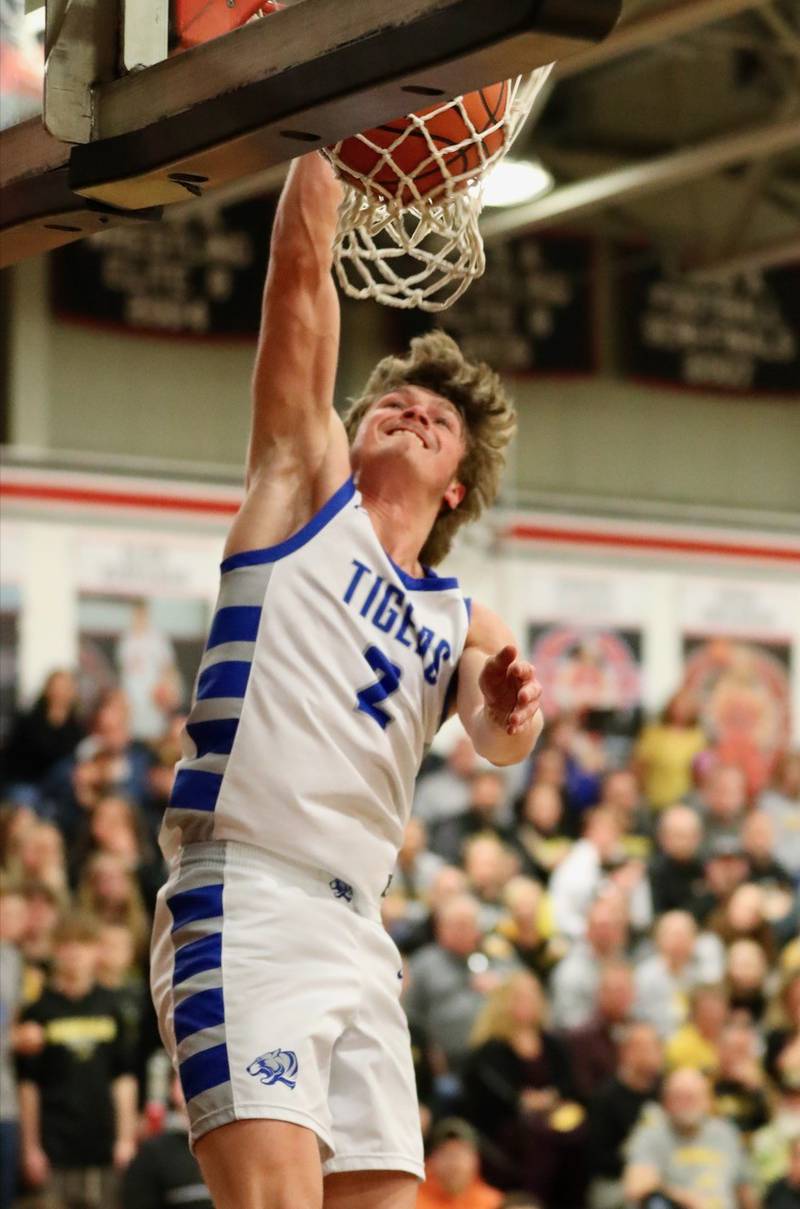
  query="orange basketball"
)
[{"x": 449, "y": 131}]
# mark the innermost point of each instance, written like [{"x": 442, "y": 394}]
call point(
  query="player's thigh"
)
[
  {"x": 371, "y": 1190},
  {"x": 372, "y": 1090},
  {"x": 261, "y": 1164}
]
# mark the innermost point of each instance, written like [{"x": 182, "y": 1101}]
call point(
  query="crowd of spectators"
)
[{"x": 601, "y": 955}]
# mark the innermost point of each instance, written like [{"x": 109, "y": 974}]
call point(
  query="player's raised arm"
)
[
  {"x": 298, "y": 452},
  {"x": 298, "y": 347},
  {"x": 498, "y": 693}
]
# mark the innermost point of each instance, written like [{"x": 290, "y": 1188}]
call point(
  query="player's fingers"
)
[
  {"x": 527, "y": 682},
  {"x": 522, "y": 714},
  {"x": 533, "y": 689},
  {"x": 505, "y": 658},
  {"x": 527, "y": 704},
  {"x": 520, "y": 674}
]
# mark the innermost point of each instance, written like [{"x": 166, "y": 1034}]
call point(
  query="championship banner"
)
[
  {"x": 201, "y": 275},
  {"x": 740, "y": 334},
  {"x": 587, "y": 669},
  {"x": 21, "y": 66},
  {"x": 743, "y": 687},
  {"x": 533, "y": 309}
]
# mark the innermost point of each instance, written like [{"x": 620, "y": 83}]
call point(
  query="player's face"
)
[{"x": 419, "y": 428}]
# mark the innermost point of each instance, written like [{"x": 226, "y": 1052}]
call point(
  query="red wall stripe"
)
[
  {"x": 523, "y": 531},
  {"x": 116, "y": 499},
  {"x": 634, "y": 541}
]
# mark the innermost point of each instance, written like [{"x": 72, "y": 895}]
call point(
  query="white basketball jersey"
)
[{"x": 326, "y": 674}]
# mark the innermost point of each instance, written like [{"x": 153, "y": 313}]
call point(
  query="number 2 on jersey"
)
[{"x": 388, "y": 682}]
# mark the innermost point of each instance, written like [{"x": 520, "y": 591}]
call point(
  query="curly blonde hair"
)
[{"x": 436, "y": 363}]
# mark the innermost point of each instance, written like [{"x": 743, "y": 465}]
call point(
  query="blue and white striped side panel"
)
[
  {"x": 199, "y": 1005},
  {"x": 219, "y": 695}
]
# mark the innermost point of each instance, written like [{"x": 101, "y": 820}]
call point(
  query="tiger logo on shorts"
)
[{"x": 278, "y": 1066}]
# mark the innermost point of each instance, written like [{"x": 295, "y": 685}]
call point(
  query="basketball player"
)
[{"x": 333, "y": 656}]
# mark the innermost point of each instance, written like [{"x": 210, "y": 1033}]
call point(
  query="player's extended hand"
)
[{"x": 510, "y": 689}]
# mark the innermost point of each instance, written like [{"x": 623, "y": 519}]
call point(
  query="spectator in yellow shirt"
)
[
  {"x": 696, "y": 1043},
  {"x": 667, "y": 749}
]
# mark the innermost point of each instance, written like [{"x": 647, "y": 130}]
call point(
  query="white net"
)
[{"x": 408, "y": 231}]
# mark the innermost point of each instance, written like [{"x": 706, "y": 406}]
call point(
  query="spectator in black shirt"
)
[
  {"x": 77, "y": 1095},
  {"x": 118, "y": 972},
  {"x": 107, "y": 760},
  {"x": 616, "y": 1107},
  {"x": 759, "y": 844},
  {"x": 783, "y": 1041},
  {"x": 486, "y": 800},
  {"x": 676, "y": 870},
  {"x": 594, "y": 1046},
  {"x": 165, "y": 1174},
  {"x": 518, "y": 1092},
  {"x": 739, "y": 1093},
  {"x": 48, "y": 732},
  {"x": 724, "y": 870},
  {"x": 785, "y": 1193},
  {"x": 540, "y": 838},
  {"x": 116, "y": 826}
]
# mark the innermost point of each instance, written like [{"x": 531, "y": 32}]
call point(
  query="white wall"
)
[
  {"x": 52, "y": 553},
  {"x": 620, "y": 440}
]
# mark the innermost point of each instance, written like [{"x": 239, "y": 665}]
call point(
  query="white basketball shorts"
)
[{"x": 278, "y": 996}]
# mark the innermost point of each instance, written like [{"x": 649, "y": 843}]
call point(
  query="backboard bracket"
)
[{"x": 81, "y": 51}]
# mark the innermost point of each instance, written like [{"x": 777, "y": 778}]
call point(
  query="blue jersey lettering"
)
[
  {"x": 440, "y": 655},
  {"x": 388, "y": 611},
  {"x": 406, "y": 624},
  {"x": 384, "y": 617},
  {"x": 361, "y": 568},
  {"x": 373, "y": 592}
]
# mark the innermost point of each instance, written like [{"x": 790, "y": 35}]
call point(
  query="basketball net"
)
[{"x": 427, "y": 252}]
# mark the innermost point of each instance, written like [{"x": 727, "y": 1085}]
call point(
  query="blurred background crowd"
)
[{"x": 602, "y": 969}]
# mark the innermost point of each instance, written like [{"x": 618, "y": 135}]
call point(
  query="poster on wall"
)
[
  {"x": 149, "y": 647},
  {"x": 736, "y": 334},
  {"x": 595, "y": 671},
  {"x": 744, "y": 689},
  {"x": 533, "y": 309},
  {"x": 200, "y": 275}
]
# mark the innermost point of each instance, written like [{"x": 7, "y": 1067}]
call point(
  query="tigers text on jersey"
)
[{"x": 325, "y": 677}]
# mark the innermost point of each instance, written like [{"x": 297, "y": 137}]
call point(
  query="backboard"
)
[{"x": 130, "y": 128}]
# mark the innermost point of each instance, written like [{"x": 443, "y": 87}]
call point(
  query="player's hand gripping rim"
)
[{"x": 510, "y": 690}]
